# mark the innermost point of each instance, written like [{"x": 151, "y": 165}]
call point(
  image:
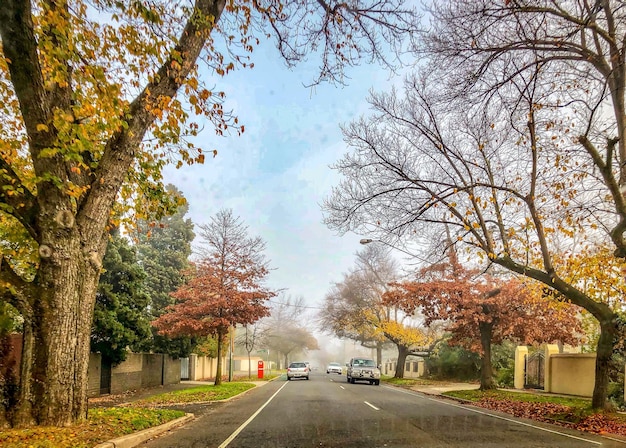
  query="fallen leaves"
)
[{"x": 567, "y": 416}]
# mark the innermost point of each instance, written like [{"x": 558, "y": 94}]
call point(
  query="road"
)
[{"x": 326, "y": 411}]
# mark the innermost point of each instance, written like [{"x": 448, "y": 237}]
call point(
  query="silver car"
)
[
  {"x": 297, "y": 370},
  {"x": 363, "y": 369}
]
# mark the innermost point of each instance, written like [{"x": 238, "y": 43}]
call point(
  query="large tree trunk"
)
[
  {"x": 486, "y": 369},
  {"x": 403, "y": 352},
  {"x": 57, "y": 328},
  {"x": 379, "y": 354}
]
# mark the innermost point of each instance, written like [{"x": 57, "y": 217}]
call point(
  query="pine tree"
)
[
  {"x": 120, "y": 319},
  {"x": 163, "y": 250}
]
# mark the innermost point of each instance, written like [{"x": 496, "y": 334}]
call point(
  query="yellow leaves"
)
[{"x": 42, "y": 128}]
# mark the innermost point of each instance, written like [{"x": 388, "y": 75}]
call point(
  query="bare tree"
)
[
  {"x": 354, "y": 308},
  {"x": 287, "y": 329},
  {"x": 249, "y": 338},
  {"x": 421, "y": 165}
]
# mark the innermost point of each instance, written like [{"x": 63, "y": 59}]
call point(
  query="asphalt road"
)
[{"x": 326, "y": 411}]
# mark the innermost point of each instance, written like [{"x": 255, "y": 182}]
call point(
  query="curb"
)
[{"x": 134, "y": 439}]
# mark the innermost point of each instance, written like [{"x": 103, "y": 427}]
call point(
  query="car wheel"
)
[
  {"x": 371, "y": 382},
  {"x": 352, "y": 381},
  {"x": 348, "y": 379},
  {"x": 307, "y": 378},
  {"x": 377, "y": 382},
  {"x": 288, "y": 378}
]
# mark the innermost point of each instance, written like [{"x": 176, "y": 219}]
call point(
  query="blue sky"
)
[{"x": 277, "y": 173}]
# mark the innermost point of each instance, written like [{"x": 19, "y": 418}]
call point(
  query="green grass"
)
[
  {"x": 195, "y": 394},
  {"x": 266, "y": 377},
  {"x": 407, "y": 382},
  {"x": 477, "y": 395},
  {"x": 103, "y": 424}
]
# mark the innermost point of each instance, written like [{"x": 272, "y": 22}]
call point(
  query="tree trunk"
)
[
  {"x": 486, "y": 369},
  {"x": 55, "y": 352},
  {"x": 403, "y": 352},
  {"x": 249, "y": 366},
  {"x": 218, "y": 369},
  {"x": 379, "y": 354},
  {"x": 604, "y": 353}
]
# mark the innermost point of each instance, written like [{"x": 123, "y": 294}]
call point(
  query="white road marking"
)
[
  {"x": 371, "y": 406},
  {"x": 247, "y": 422},
  {"x": 343, "y": 387},
  {"x": 495, "y": 416}
]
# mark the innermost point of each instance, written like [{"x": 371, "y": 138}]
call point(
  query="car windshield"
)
[
  {"x": 335, "y": 364},
  {"x": 365, "y": 363},
  {"x": 296, "y": 365}
]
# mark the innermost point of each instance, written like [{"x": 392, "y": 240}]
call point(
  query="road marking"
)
[
  {"x": 371, "y": 406},
  {"x": 247, "y": 422},
  {"x": 342, "y": 387},
  {"x": 495, "y": 416}
]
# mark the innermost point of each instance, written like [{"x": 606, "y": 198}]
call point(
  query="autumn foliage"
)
[
  {"x": 480, "y": 310},
  {"x": 224, "y": 289}
]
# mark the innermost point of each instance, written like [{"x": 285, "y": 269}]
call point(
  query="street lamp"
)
[{"x": 369, "y": 240}]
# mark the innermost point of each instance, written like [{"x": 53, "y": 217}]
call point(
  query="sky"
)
[{"x": 276, "y": 175}]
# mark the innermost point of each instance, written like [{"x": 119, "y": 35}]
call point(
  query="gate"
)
[
  {"x": 184, "y": 368},
  {"x": 105, "y": 377},
  {"x": 534, "y": 372}
]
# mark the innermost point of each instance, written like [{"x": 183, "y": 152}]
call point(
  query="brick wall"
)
[{"x": 140, "y": 370}]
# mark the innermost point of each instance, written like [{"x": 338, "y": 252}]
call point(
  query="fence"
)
[
  {"x": 140, "y": 370},
  {"x": 563, "y": 373}
]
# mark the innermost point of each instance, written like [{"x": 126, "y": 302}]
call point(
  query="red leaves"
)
[
  {"x": 464, "y": 299},
  {"x": 557, "y": 414}
]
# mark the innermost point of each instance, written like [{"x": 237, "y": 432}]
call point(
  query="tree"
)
[
  {"x": 354, "y": 309},
  {"x": 342, "y": 314},
  {"x": 482, "y": 310},
  {"x": 353, "y": 306},
  {"x": 409, "y": 340},
  {"x": 120, "y": 316},
  {"x": 225, "y": 289},
  {"x": 164, "y": 248},
  {"x": 572, "y": 54},
  {"x": 491, "y": 173},
  {"x": 82, "y": 84},
  {"x": 249, "y": 339},
  {"x": 286, "y": 330}
]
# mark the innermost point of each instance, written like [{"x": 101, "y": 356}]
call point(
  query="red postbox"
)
[{"x": 260, "y": 370}]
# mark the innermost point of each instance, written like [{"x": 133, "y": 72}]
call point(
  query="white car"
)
[{"x": 334, "y": 367}]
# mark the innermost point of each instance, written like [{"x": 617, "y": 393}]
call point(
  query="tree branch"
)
[
  {"x": 121, "y": 149},
  {"x": 15, "y": 290},
  {"x": 20, "y": 201}
]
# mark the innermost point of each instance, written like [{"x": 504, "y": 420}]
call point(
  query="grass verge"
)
[
  {"x": 195, "y": 394},
  {"x": 408, "y": 382},
  {"x": 103, "y": 424}
]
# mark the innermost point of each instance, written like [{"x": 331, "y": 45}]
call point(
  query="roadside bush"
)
[
  {"x": 503, "y": 362},
  {"x": 453, "y": 363}
]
